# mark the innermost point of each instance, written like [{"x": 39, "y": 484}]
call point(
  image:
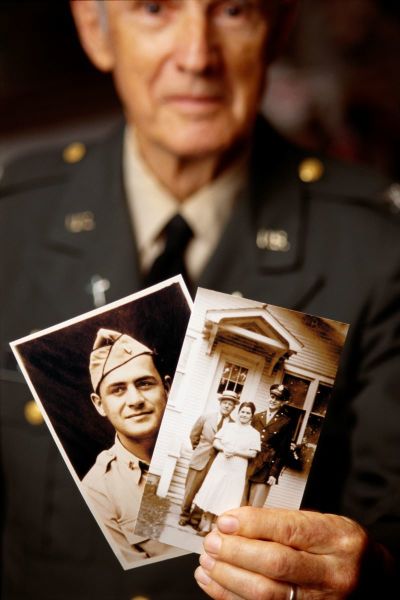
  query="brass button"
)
[
  {"x": 310, "y": 170},
  {"x": 140, "y": 598},
  {"x": 32, "y": 413},
  {"x": 74, "y": 152}
]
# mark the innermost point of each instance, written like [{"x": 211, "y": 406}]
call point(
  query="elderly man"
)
[
  {"x": 197, "y": 176},
  {"x": 129, "y": 391},
  {"x": 202, "y": 439}
]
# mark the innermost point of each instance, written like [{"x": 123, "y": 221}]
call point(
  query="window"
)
[
  {"x": 233, "y": 378},
  {"x": 298, "y": 389}
]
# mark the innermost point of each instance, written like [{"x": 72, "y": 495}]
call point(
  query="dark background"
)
[
  {"x": 336, "y": 88},
  {"x": 58, "y": 362}
]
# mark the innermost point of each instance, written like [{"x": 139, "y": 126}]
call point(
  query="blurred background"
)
[{"x": 336, "y": 89}]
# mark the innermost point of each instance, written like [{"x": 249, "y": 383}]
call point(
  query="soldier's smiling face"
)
[
  {"x": 275, "y": 402},
  {"x": 190, "y": 73},
  {"x": 133, "y": 398}
]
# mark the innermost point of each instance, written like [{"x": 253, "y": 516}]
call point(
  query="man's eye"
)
[
  {"x": 145, "y": 384},
  {"x": 234, "y": 10},
  {"x": 152, "y": 7},
  {"x": 118, "y": 390}
]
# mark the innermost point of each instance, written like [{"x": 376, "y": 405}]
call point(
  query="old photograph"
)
[
  {"x": 243, "y": 417},
  {"x": 101, "y": 381}
]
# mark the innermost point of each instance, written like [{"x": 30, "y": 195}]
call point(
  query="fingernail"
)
[
  {"x": 228, "y": 524},
  {"x": 207, "y": 562},
  {"x": 213, "y": 543},
  {"x": 201, "y": 576}
]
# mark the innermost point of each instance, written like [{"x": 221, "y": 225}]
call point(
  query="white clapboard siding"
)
[
  {"x": 289, "y": 491},
  {"x": 177, "y": 487}
]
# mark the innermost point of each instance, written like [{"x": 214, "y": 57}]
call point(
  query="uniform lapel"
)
[
  {"x": 273, "y": 204},
  {"x": 107, "y": 249}
]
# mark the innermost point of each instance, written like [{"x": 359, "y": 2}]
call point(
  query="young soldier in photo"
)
[
  {"x": 129, "y": 391},
  {"x": 276, "y": 429},
  {"x": 202, "y": 438}
]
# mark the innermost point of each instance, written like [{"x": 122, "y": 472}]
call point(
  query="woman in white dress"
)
[{"x": 223, "y": 487}]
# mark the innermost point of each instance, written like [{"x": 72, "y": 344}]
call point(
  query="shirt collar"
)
[
  {"x": 124, "y": 455},
  {"x": 152, "y": 205}
]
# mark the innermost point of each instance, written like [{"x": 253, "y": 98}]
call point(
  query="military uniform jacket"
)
[
  {"x": 61, "y": 224},
  {"x": 276, "y": 436},
  {"x": 114, "y": 487},
  {"x": 202, "y": 438}
]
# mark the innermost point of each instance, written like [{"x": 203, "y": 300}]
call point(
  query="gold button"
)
[
  {"x": 32, "y": 413},
  {"x": 140, "y": 598},
  {"x": 310, "y": 170},
  {"x": 74, "y": 152}
]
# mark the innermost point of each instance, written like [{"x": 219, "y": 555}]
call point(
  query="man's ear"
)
[
  {"x": 95, "y": 398},
  {"x": 167, "y": 381},
  {"x": 90, "y": 18}
]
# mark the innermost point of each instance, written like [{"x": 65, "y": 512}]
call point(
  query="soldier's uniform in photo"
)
[
  {"x": 276, "y": 433},
  {"x": 115, "y": 483},
  {"x": 306, "y": 233}
]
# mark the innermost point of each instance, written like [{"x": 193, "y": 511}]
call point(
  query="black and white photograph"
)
[
  {"x": 243, "y": 419},
  {"x": 101, "y": 381}
]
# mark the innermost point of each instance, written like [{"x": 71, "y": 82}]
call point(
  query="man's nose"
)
[
  {"x": 196, "y": 48},
  {"x": 134, "y": 397}
]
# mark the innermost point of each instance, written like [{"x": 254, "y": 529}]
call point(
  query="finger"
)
[
  {"x": 242, "y": 583},
  {"x": 270, "y": 559},
  {"x": 212, "y": 588},
  {"x": 305, "y": 530}
]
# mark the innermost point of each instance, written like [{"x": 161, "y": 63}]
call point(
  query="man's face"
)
[
  {"x": 133, "y": 398},
  {"x": 226, "y": 407},
  {"x": 190, "y": 73},
  {"x": 275, "y": 402}
]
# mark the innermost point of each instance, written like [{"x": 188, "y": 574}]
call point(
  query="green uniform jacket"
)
[{"x": 61, "y": 224}]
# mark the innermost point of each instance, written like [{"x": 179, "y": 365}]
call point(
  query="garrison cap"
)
[
  {"x": 229, "y": 395},
  {"x": 280, "y": 391},
  {"x": 111, "y": 350}
]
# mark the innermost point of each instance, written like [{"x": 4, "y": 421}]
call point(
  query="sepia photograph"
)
[
  {"x": 243, "y": 417},
  {"x": 101, "y": 381}
]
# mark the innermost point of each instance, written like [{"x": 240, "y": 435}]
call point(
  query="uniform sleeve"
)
[{"x": 372, "y": 493}]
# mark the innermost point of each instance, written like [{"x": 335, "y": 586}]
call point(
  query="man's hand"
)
[{"x": 258, "y": 553}]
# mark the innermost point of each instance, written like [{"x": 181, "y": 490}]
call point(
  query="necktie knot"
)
[
  {"x": 177, "y": 235},
  {"x": 171, "y": 260}
]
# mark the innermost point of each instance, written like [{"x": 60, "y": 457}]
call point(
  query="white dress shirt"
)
[{"x": 151, "y": 206}]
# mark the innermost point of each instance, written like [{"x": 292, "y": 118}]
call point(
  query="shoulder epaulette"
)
[
  {"x": 41, "y": 167},
  {"x": 337, "y": 181}
]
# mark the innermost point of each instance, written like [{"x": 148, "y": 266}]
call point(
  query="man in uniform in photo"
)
[
  {"x": 197, "y": 173},
  {"x": 128, "y": 391},
  {"x": 202, "y": 438},
  {"x": 277, "y": 428}
]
